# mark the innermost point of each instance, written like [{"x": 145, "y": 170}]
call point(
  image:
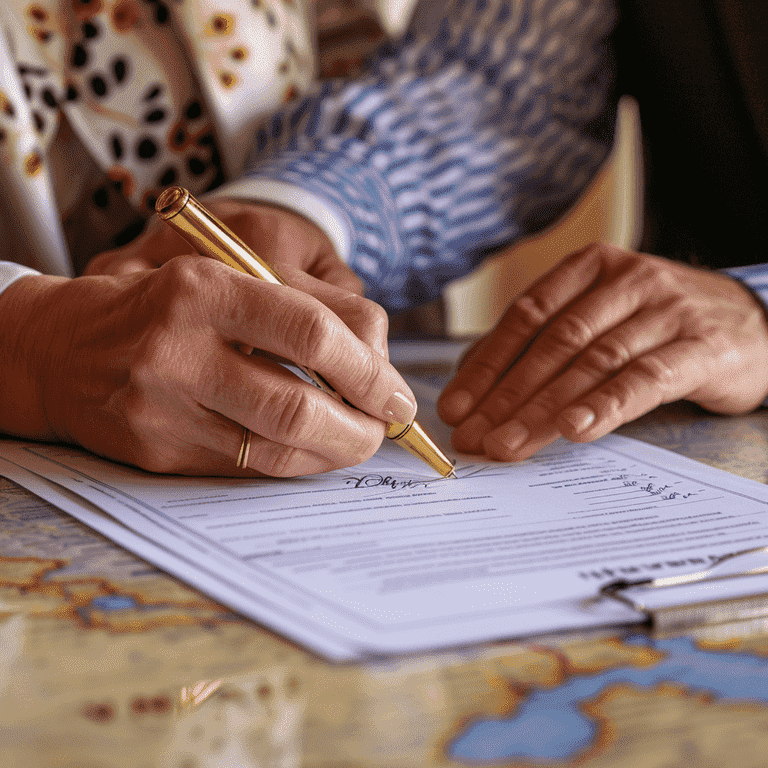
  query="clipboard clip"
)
[{"x": 724, "y": 593}]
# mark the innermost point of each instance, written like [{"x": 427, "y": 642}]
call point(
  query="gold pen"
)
[{"x": 210, "y": 237}]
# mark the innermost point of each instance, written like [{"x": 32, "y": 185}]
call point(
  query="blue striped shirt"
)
[{"x": 481, "y": 125}]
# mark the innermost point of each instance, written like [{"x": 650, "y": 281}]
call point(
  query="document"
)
[{"x": 385, "y": 558}]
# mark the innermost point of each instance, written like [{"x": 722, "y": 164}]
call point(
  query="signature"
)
[
  {"x": 658, "y": 490},
  {"x": 376, "y": 481}
]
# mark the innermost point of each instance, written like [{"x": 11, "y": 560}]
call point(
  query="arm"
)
[
  {"x": 481, "y": 125},
  {"x": 604, "y": 337}
]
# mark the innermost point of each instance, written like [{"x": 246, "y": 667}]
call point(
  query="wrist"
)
[{"x": 26, "y": 320}]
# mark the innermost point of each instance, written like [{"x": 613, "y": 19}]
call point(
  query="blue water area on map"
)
[
  {"x": 113, "y": 603},
  {"x": 550, "y": 726}
]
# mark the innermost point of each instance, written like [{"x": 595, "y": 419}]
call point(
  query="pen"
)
[{"x": 210, "y": 237}]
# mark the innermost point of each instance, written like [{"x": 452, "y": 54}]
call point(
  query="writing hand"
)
[
  {"x": 604, "y": 337},
  {"x": 279, "y": 236},
  {"x": 146, "y": 368}
]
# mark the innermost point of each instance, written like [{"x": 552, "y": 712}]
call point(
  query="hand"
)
[
  {"x": 281, "y": 237},
  {"x": 146, "y": 368},
  {"x": 601, "y": 339}
]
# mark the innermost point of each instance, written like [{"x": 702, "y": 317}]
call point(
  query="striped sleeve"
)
[
  {"x": 481, "y": 125},
  {"x": 754, "y": 277}
]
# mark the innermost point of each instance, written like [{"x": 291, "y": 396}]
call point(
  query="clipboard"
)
[{"x": 728, "y": 598}]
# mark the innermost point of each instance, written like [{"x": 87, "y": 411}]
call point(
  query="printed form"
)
[{"x": 383, "y": 558}]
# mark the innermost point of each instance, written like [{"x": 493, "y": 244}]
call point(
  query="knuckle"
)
[
  {"x": 372, "y": 312},
  {"x": 294, "y": 416},
  {"x": 591, "y": 251},
  {"x": 363, "y": 450},
  {"x": 527, "y": 313},
  {"x": 678, "y": 307},
  {"x": 358, "y": 446},
  {"x": 660, "y": 277},
  {"x": 181, "y": 289},
  {"x": 366, "y": 376},
  {"x": 716, "y": 338},
  {"x": 606, "y": 356},
  {"x": 596, "y": 255},
  {"x": 377, "y": 317},
  {"x": 356, "y": 285},
  {"x": 186, "y": 274},
  {"x": 480, "y": 374},
  {"x": 312, "y": 336},
  {"x": 569, "y": 333},
  {"x": 635, "y": 261},
  {"x": 653, "y": 368},
  {"x": 501, "y": 404},
  {"x": 363, "y": 443},
  {"x": 665, "y": 276},
  {"x": 283, "y": 462},
  {"x": 146, "y": 371},
  {"x": 637, "y": 274},
  {"x": 614, "y": 397}
]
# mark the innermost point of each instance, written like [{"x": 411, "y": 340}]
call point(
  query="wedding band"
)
[{"x": 245, "y": 449}]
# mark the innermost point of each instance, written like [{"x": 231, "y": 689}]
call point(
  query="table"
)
[{"x": 106, "y": 662}]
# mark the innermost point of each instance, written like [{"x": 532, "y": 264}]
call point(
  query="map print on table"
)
[
  {"x": 78, "y": 575},
  {"x": 602, "y": 714},
  {"x": 84, "y": 595},
  {"x": 100, "y": 603}
]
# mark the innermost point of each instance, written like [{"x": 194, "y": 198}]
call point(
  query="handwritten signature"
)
[
  {"x": 375, "y": 481},
  {"x": 658, "y": 490}
]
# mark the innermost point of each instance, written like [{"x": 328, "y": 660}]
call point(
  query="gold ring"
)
[{"x": 245, "y": 449}]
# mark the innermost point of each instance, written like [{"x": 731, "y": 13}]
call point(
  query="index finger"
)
[
  {"x": 366, "y": 319},
  {"x": 294, "y": 325}
]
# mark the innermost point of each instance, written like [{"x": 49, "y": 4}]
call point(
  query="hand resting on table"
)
[{"x": 602, "y": 338}]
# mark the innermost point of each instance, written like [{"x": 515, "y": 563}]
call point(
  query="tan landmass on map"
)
[
  {"x": 596, "y": 656},
  {"x": 671, "y": 725},
  {"x": 756, "y": 645},
  {"x": 31, "y": 584}
]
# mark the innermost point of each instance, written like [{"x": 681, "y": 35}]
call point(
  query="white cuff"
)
[
  {"x": 10, "y": 272},
  {"x": 312, "y": 207}
]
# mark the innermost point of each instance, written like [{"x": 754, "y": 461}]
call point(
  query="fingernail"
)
[
  {"x": 580, "y": 418},
  {"x": 400, "y": 408},
  {"x": 456, "y": 405},
  {"x": 509, "y": 436}
]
